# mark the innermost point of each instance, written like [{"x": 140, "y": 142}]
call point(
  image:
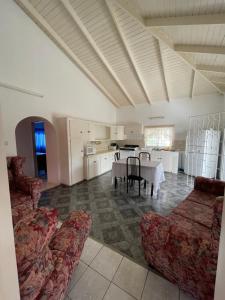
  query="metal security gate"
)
[{"x": 205, "y": 147}]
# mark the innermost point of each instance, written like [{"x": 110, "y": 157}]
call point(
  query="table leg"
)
[
  {"x": 152, "y": 188},
  {"x": 115, "y": 182}
]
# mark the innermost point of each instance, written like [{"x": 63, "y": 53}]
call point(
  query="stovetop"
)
[{"x": 129, "y": 147}]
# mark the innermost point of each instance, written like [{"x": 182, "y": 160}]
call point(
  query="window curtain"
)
[
  {"x": 159, "y": 136},
  {"x": 40, "y": 140}
]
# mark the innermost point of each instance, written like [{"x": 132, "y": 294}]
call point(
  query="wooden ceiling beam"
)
[
  {"x": 199, "y": 49},
  {"x": 192, "y": 84},
  {"x": 208, "y": 68},
  {"x": 165, "y": 79},
  {"x": 69, "y": 8},
  {"x": 129, "y": 52},
  {"x": 186, "y": 20}
]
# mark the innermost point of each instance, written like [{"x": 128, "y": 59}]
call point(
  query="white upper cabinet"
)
[
  {"x": 82, "y": 129},
  {"x": 117, "y": 133}
]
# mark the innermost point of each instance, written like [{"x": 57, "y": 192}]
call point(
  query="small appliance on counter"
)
[
  {"x": 128, "y": 150},
  {"x": 114, "y": 146},
  {"x": 90, "y": 149}
]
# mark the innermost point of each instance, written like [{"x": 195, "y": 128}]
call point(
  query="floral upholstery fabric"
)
[
  {"x": 46, "y": 256},
  {"x": 182, "y": 248},
  {"x": 20, "y": 211},
  {"x": 202, "y": 198},
  {"x": 195, "y": 212},
  {"x": 23, "y": 189},
  {"x": 209, "y": 186}
]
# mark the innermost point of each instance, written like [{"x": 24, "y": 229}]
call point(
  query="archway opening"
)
[{"x": 36, "y": 140}]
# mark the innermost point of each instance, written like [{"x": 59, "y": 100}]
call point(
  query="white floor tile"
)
[
  {"x": 81, "y": 268},
  {"x": 91, "y": 286},
  {"x": 158, "y": 288},
  {"x": 91, "y": 249},
  {"x": 106, "y": 262},
  {"x": 115, "y": 293},
  {"x": 184, "y": 296},
  {"x": 131, "y": 277}
]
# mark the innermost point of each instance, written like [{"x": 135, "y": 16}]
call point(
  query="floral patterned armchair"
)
[
  {"x": 183, "y": 246},
  {"x": 47, "y": 256},
  {"x": 24, "y": 191}
]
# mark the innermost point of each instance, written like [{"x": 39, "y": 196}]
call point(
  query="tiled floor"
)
[
  {"x": 105, "y": 274},
  {"x": 116, "y": 214}
]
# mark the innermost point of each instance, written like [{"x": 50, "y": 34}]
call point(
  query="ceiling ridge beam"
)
[
  {"x": 129, "y": 52},
  {"x": 186, "y": 20},
  {"x": 40, "y": 21},
  {"x": 185, "y": 48},
  {"x": 69, "y": 8},
  {"x": 192, "y": 83},
  {"x": 165, "y": 79},
  {"x": 161, "y": 36},
  {"x": 208, "y": 68}
]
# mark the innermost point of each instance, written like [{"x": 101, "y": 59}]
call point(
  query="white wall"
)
[
  {"x": 30, "y": 60},
  {"x": 9, "y": 288},
  {"x": 176, "y": 112}
]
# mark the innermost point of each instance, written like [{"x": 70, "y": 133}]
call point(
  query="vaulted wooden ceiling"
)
[{"x": 140, "y": 51}]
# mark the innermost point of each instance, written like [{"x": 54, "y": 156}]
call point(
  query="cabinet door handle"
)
[
  {"x": 81, "y": 131},
  {"x": 95, "y": 161},
  {"x": 89, "y": 131}
]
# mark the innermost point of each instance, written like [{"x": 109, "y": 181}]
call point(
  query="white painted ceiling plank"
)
[
  {"x": 199, "y": 49},
  {"x": 76, "y": 18},
  {"x": 25, "y": 4},
  {"x": 129, "y": 52}
]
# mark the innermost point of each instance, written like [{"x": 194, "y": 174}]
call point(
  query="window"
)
[{"x": 161, "y": 136}]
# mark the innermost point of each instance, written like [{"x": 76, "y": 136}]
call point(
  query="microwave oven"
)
[{"x": 90, "y": 149}]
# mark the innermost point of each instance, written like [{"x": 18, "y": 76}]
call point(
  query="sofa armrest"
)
[
  {"x": 211, "y": 186},
  {"x": 31, "y": 186},
  {"x": 155, "y": 227},
  {"x": 72, "y": 234}
]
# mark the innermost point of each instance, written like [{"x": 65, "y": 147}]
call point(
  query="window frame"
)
[{"x": 160, "y": 126}]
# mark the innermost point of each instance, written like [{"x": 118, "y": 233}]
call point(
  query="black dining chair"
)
[
  {"x": 144, "y": 155},
  {"x": 134, "y": 172},
  {"x": 117, "y": 156}
]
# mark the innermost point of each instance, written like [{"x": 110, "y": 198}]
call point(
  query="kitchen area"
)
[{"x": 87, "y": 148}]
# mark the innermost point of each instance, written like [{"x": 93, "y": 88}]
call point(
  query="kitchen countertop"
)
[{"x": 102, "y": 152}]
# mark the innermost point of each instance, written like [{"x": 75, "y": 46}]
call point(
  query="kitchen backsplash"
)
[{"x": 102, "y": 145}]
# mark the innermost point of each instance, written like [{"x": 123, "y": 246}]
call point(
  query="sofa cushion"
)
[
  {"x": 18, "y": 198},
  {"x": 202, "y": 198},
  {"x": 21, "y": 211},
  {"x": 33, "y": 233},
  {"x": 33, "y": 276},
  {"x": 196, "y": 212}
]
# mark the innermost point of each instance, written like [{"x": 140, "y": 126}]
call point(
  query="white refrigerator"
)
[{"x": 202, "y": 153}]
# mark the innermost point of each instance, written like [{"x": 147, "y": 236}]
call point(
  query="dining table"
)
[{"x": 151, "y": 171}]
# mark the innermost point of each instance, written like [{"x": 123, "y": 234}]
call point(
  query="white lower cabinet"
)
[
  {"x": 169, "y": 160},
  {"x": 98, "y": 164}
]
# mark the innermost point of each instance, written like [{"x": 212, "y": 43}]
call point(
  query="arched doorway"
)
[{"x": 37, "y": 141}]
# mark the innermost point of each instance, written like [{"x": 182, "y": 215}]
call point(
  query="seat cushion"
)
[
  {"x": 202, "y": 198},
  {"x": 196, "y": 212},
  {"x": 18, "y": 198},
  {"x": 33, "y": 233},
  {"x": 21, "y": 211}
]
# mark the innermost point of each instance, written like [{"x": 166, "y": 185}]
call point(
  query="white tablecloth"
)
[{"x": 151, "y": 171}]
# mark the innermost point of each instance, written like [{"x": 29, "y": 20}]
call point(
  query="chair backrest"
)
[
  {"x": 133, "y": 166},
  {"x": 144, "y": 155},
  {"x": 117, "y": 156}
]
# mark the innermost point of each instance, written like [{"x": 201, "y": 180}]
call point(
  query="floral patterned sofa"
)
[
  {"x": 183, "y": 246},
  {"x": 24, "y": 191},
  {"x": 47, "y": 256}
]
